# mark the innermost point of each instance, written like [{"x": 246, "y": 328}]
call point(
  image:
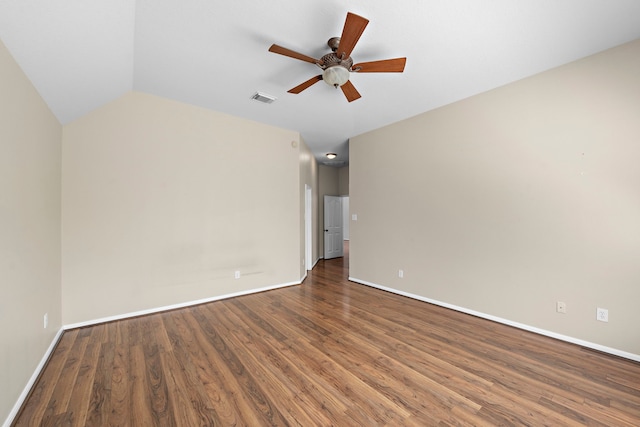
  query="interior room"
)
[{"x": 161, "y": 156}]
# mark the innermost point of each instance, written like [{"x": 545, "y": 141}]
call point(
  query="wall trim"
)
[
  {"x": 175, "y": 306},
  {"x": 566, "y": 338},
  {"x": 32, "y": 381}
]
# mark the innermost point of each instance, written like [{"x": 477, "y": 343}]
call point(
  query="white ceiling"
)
[{"x": 81, "y": 54}]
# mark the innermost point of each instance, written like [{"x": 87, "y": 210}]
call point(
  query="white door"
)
[{"x": 333, "y": 242}]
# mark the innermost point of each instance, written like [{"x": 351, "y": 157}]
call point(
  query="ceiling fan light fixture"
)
[
  {"x": 331, "y": 156},
  {"x": 335, "y": 76}
]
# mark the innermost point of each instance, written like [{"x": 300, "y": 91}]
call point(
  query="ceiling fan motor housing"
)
[{"x": 331, "y": 60}]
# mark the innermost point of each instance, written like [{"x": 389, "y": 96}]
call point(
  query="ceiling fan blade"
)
[
  {"x": 303, "y": 86},
  {"x": 350, "y": 91},
  {"x": 353, "y": 28},
  {"x": 395, "y": 65},
  {"x": 292, "y": 54}
]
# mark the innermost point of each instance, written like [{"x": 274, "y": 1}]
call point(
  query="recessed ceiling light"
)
[{"x": 331, "y": 156}]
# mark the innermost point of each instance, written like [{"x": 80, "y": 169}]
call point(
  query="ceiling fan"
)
[{"x": 338, "y": 64}]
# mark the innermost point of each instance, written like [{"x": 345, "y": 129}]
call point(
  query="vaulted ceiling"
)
[{"x": 82, "y": 54}]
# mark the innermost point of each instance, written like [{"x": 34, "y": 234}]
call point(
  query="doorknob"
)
[{"x": 326, "y": 230}]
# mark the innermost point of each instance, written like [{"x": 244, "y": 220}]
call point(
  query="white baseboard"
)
[
  {"x": 32, "y": 380},
  {"x": 174, "y": 306},
  {"x": 572, "y": 340}
]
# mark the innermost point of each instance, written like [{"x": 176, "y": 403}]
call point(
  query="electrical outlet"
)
[
  {"x": 602, "y": 314},
  {"x": 561, "y": 307},
  {"x": 46, "y": 320},
  {"x": 237, "y": 274},
  {"x": 401, "y": 273}
]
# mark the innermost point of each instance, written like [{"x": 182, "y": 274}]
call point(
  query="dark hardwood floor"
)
[{"x": 327, "y": 352}]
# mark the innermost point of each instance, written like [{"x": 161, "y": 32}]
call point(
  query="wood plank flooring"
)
[{"x": 328, "y": 352}]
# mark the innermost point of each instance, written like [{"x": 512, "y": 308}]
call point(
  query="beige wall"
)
[
  {"x": 308, "y": 176},
  {"x": 30, "y": 138},
  {"x": 163, "y": 201},
  {"x": 509, "y": 201},
  {"x": 343, "y": 181}
]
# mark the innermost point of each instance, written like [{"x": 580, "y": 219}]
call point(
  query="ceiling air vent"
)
[{"x": 263, "y": 97}]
